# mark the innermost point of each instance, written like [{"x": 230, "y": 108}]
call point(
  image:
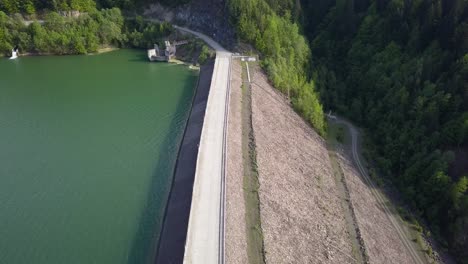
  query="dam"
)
[{"x": 193, "y": 229}]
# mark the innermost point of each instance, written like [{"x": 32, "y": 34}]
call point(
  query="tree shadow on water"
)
[{"x": 140, "y": 57}]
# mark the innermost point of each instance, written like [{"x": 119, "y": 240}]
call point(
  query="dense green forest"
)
[
  {"x": 399, "y": 68},
  {"x": 61, "y": 35},
  {"x": 76, "y": 35},
  {"x": 33, "y": 6}
]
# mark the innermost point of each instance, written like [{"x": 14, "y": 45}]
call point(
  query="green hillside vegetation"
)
[
  {"x": 143, "y": 34},
  {"x": 285, "y": 52},
  {"x": 138, "y": 4},
  {"x": 80, "y": 35},
  {"x": 62, "y": 35},
  {"x": 400, "y": 69},
  {"x": 32, "y": 6}
]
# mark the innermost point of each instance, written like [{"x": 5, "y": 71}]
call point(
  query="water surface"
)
[{"x": 87, "y": 149}]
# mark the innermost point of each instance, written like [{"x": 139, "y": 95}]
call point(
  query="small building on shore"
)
[{"x": 167, "y": 54}]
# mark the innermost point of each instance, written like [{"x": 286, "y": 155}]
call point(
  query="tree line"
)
[
  {"x": 270, "y": 27},
  {"x": 61, "y": 35},
  {"x": 78, "y": 35},
  {"x": 31, "y": 7}
]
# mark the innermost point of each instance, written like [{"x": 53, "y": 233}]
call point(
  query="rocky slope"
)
[{"x": 207, "y": 16}]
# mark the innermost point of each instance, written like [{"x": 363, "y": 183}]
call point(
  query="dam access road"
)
[{"x": 205, "y": 235}]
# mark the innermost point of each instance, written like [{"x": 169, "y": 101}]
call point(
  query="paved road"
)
[
  {"x": 215, "y": 45},
  {"x": 396, "y": 223},
  {"x": 205, "y": 236}
]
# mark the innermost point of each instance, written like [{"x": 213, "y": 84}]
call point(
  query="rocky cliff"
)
[{"x": 207, "y": 16}]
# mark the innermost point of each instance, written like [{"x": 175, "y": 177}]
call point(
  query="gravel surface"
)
[
  {"x": 301, "y": 214},
  {"x": 236, "y": 239},
  {"x": 381, "y": 241}
]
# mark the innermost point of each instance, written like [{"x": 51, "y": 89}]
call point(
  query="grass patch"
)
[
  {"x": 337, "y": 136},
  {"x": 373, "y": 174},
  {"x": 336, "y": 133},
  {"x": 251, "y": 184},
  {"x": 340, "y": 135}
]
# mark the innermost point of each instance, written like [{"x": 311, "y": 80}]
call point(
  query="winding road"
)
[{"x": 396, "y": 223}]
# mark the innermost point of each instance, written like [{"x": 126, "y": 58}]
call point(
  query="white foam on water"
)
[{"x": 14, "y": 55}]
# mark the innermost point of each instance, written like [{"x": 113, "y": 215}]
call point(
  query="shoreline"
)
[
  {"x": 173, "y": 234},
  {"x": 104, "y": 50},
  {"x": 37, "y": 54}
]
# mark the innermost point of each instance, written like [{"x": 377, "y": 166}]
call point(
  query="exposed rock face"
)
[
  {"x": 73, "y": 13},
  {"x": 207, "y": 16}
]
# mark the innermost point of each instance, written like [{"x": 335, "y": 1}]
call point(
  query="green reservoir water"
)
[{"x": 88, "y": 145}]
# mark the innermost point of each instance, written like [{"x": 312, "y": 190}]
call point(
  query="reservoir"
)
[{"x": 88, "y": 145}]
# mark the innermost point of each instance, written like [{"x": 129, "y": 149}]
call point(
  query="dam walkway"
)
[
  {"x": 203, "y": 240},
  {"x": 205, "y": 236}
]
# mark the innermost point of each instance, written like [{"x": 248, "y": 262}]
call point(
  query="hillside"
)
[
  {"x": 397, "y": 68},
  {"x": 208, "y": 16},
  {"x": 400, "y": 69},
  {"x": 300, "y": 207},
  {"x": 87, "y": 26}
]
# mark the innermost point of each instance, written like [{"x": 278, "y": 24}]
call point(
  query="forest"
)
[
  {"x": 92, "y": 29},
  {"x": 31, "y": 7},
  {"x": 400, "y": 70},
  {"x": 270, "y": 27},
  {"x": 61, "y": 35}
]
